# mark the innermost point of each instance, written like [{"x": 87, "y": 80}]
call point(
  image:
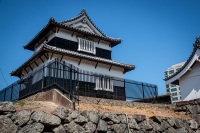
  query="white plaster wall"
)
[
  {"x": 190, "y": 83},
  {"x": 68, "y": 35},
  {"x": 90, "y": 66}
]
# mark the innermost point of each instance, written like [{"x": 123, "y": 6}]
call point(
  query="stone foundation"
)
[
  {"x": 52, "y": 95},
  {"x": 64, "y": 121}
]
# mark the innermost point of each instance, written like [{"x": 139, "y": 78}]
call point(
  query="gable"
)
[{"x": 84, "y": 23}]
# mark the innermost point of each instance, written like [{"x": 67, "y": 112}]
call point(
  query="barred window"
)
[
  {"x": 86, "y": 46},
  {"x": 104, "y": 83}
]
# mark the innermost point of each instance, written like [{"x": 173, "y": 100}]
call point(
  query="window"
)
[
  {"x": 172, "y": 85},
  {"x": 174, "y": 98},
  {"x": 174, "y": 94},
  {"x": 171, "y": 72},
  {"x": 173, "y": 89},
  {"x": 86, "y": 46},
  {"x": 104, "y": 83}
]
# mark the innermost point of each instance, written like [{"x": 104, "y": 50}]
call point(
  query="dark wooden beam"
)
[
  {"x": 96, "y": 65},
  {"x": 79, "y": 62},
  {"x": 53, "y": 30},
  {"x": 41, "y": 59},
  {"x": 73, "y": 34},
  {"x": 46, "y": 56},
  {"x": 61, "y": 58},
  {"x": 30, "y": 67},
  {"x": 22, "y": 74},
  {"x": 36, "y": 63},
  {"x": 46, "y": 38},
  {"x": 110, "y": 67},
  {"x": 51, "y": 56},
  {"x": 26, "y": 70},
  {"x": 99, "y": 41}
]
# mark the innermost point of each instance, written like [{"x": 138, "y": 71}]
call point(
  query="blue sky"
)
[{"x": 156, "y": 33}]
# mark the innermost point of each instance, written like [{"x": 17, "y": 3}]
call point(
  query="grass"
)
[{"x": 21, "y": 103}]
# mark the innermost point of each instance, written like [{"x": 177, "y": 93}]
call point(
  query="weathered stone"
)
[
  {"x": 191, "y": 131},
  {"x": 32, "y": 128},
  {"x": 30, "y": 122},
  {"x": 170, "y": 130},
  {"x": 133, "y": 131},
  {"x": 90, "y": 127},
  {"x": 6, "y": 125},
  {"x": 81, "y": 120},
  {"x": 139, "y": 118},
  {"x": 178, "y": 123},
  {"x": 122, "y": 118},
  {"x": 181, "y": 130},
  {"x": 111, "y": 117},
  {"x": 92, "y": 116},
  {"x": 186, "y": 124},
  {"x": 119, "y": 128},
  {"x": 59, "y": 129},
  {"x": 74, "y": 114},
  {"x": 180, "y": 109},
  {"x": 102, "y": 126},
  {"x": 145, "y": 126},
  {"x": 171, "y": 121},
  {"x": 21, "y": 117},
  {"x": 193, "y": 124},
  {"x": 198, "y": 131},
  {"x": 61, "y": 112},
  {"x": 68, "y": 119},
  {"x": 193, "y": 109},
  {"x": 74, "y": 128},
  {"x": 46, "y": 119},
  {"x": 164, "y": 125},
  {"x": 196, "y": 117},
  {"x": 133, "y": 124},
  {"x": 156, "y": 119},
  {"x": 7, "y": 107},
  {"x": 110, "y": 122},
  {"x": 156, "y": 126}
]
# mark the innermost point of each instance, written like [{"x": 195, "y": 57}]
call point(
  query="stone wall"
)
[
  {"x": 192, "y": 108},
  {"x": 64, "y": 121}
]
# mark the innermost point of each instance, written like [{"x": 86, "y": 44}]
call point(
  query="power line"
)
[{"x": 3, "y": 77}]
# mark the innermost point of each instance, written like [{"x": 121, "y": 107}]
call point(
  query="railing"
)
[{"x": 74, "y": 82}]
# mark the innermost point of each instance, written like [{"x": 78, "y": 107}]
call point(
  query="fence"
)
[{"x": 74, "y": 82}]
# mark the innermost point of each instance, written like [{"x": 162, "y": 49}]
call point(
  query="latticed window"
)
[
  {"x": 86, "y": 46},
  {"x": 104, "y": 83}
]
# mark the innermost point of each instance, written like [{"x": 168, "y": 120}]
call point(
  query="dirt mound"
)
[{"x": 148, "y": 111}]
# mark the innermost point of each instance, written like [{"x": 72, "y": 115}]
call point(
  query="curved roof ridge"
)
[
  {"x": 196, "y": 46},
  {"x": 83, "y": 12}
]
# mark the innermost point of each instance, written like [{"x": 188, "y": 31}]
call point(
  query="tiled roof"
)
[
  {"x": 196, "y": 46},
  {"x": 83, "y": 12},
  {"x": 47, "y": 47},
  {"x": 98, "y": 59},
  {"x": 115, "y": 40},
  {"x": 52, "y": 24}
]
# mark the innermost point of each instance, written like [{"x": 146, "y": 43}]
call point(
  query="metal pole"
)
[
  {"x": 143, "y": 91},
  {"x": 70, "y": 80},
  {"x": 5, "y": 94},
  {"x": 11, "y": 95}
]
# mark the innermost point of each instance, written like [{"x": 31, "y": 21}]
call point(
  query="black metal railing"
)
[{"x": 74, "y": 82}]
